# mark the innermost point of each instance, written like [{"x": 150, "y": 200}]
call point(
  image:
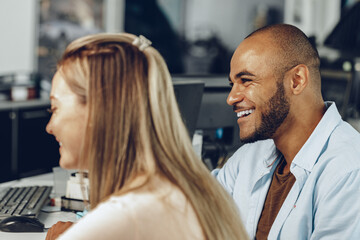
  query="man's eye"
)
[{"x": 244, "y": 80}]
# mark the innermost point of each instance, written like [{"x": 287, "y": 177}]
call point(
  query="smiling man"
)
[{"x": 298, "y": 174}]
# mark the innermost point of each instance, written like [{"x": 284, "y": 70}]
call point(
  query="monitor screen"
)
[{"x": 189, "y": 95}]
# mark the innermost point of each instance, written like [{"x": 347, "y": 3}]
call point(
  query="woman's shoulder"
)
[
  {"x": 157, "y": 205},
  {"x": 141, "y": 214},
  {"x": 111, "y": 219},
  {"x": 157, "y": 192}
]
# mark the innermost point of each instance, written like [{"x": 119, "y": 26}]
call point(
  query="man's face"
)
[{"x": 258, "y": 95}]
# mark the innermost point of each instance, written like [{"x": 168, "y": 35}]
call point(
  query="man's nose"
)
[{"x": 235, "y": 95}]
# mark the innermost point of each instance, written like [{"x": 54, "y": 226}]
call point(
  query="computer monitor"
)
[
  {"x": 336, "y": 86},
  {"x": 189, "y": 95},
  {"x": 215, "y": 118}
]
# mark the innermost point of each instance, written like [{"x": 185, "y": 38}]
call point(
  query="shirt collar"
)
[
  {"x": 313, "y": 147},
  {"x": 270, "y": 157}
]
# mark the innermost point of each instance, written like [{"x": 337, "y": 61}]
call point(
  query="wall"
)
[
  {"x": 18, "y": 23},
  {"x": 232, "y": 20},
  {"x": 315, "y": 17}
]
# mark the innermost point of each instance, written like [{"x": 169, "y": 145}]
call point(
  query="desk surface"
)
[{"x": 47, "y": 218}]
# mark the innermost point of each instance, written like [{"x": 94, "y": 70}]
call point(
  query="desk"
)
[{"x": 47, "y": 218}]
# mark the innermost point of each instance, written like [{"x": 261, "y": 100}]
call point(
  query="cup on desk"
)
[
  {"x": 61, "y": 176},
  {"x": 22, "y": 93}
]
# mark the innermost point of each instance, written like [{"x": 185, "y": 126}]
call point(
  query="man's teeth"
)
[{"x": 245, "y": 113}]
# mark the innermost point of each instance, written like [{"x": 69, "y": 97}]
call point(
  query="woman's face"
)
[{"x": 67, "y": 123}]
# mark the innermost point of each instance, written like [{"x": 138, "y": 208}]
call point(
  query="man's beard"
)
[{"x": 272, "y": 118}]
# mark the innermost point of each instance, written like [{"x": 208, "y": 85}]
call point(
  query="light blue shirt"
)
[{"x": 324, "y": 202}]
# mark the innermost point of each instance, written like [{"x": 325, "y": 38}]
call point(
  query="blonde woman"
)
[{"x": 115, "y": 115}]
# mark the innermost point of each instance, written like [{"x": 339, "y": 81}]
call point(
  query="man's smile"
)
[{"x": 244, "y": 113}]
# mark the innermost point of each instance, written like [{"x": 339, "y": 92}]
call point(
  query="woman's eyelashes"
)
[{"x": 51, "y": 110}]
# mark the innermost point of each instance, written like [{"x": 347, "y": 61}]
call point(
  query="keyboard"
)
[{"x": 23, "y": 201}]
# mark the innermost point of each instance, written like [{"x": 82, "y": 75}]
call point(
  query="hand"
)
[{"x": 57, "y": 229}]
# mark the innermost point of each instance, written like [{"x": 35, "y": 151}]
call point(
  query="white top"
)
[{"x": 160, "y": 212}]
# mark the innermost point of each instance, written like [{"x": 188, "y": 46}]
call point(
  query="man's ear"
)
[{"x": 299, "y": 78}]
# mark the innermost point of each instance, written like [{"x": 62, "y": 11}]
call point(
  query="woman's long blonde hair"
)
[{"x": 134, "y": 128}]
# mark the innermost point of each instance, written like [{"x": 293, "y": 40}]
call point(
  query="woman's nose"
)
[{"x": 49, "y": 127}]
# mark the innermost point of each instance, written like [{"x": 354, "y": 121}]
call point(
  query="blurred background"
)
[{"x": 196, "y": 38}]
